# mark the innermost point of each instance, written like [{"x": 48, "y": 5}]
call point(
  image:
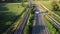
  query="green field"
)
[
  {"x": 9, "y": 13},
  {"x": 48, "y": 4}
]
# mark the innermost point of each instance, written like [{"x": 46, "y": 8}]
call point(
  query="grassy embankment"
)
[{"x": 28, "y": 28}]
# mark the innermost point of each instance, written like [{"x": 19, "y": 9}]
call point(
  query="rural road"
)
[{"x": 39, "y": 26}]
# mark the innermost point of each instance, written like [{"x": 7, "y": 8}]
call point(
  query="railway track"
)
[
  {"x": 53, "y": 20},
  {"x": 21, "y": 26}
]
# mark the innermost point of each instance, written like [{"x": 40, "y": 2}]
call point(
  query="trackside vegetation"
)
[
  {"x": 48, "y": 5},
  {"x": 55, "y": 17},
  {"x": 51, "y": 5},
  {"x": 51, "y": 26},
  {"x": 16, "y": 24},
  {"x": 30, "y": 21}
]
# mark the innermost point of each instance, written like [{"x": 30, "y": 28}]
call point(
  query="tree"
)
[{"x": 55, "y": 5}]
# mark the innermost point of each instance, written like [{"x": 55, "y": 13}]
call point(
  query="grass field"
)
[
  {"x": 48, "y": 4},
  {"x": 16, "y": 8},
  {"x": 9, "y": 13}
]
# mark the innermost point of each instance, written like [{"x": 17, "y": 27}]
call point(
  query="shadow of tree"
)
[
  {"x": 38, "y": 29},
  {"x": 6, "y": 19},
  {"x": 2, "y": 7}
]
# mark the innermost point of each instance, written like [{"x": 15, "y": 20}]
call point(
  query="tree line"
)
[{"x": 2, "y": 1}]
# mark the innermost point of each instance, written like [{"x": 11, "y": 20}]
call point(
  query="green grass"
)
[
  {"x": 56, "y": 18},
  {"x": 48, "y": 4},
  {"x": 52, "y": 28},
  {"x": 26, "y": 30},
  {"x": 9, "y": 14},
  {"x": 57, "y": 12},
  {"x": 30, "y": 21},
  {"x": 20, "y": 19},
  {"x": 13, "y": 7}
]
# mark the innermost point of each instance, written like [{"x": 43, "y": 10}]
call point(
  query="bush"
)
[
  {"x": 55, "y": 5},
  {"x": 28, "y": 28}
]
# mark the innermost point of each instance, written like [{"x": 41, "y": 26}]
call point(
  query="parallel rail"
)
[
  {"x": 9, "y": 31},
  {"x": 53, "y": 20},
  {"x": 21, "y": 26}
]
